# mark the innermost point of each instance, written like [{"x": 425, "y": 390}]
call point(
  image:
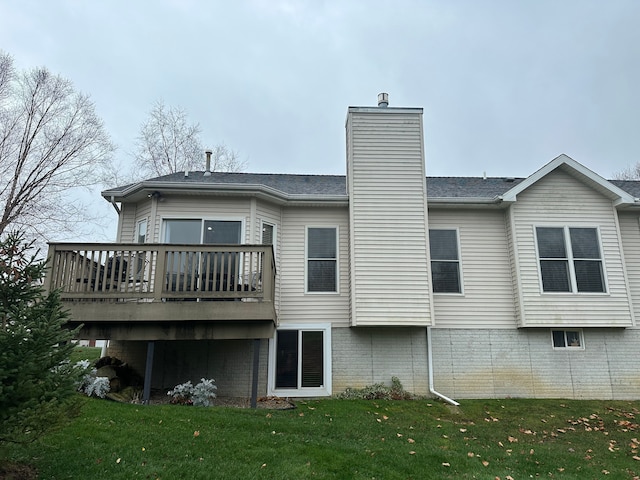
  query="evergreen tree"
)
[{"x": 37, "y": 383}]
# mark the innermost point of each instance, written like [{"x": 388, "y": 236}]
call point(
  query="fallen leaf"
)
[
  {"x": 471, "y": 454},
  {"x": 485, "y": 463},
  {"x": 118, "y": 460},
  {"x": 512, "y": 439},
  {"x": 411, "y": 440},
  {"x": 196, "y": 433},
  {"x": 263, "y": 465},
  {"x": 412, "y": 452},
  {"x": 399, "y": 435},
  {"x": 384, "y": 417},
  {"x": 462, "y": 430},
  {"x": 531, "y": 452},
  {"x": 446, "y": 464}
]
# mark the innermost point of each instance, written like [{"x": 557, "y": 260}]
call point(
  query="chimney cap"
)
[{"x": 383, "y": 100}]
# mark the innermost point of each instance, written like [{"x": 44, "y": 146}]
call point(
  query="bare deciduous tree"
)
[
  {"x": 168, "y": 143},
  {"x": 51, "y": 140},
  {"x": 632, "y": 172}
]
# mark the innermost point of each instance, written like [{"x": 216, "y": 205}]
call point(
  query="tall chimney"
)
[
  {"x": 207, "y": 171},
  {"x": 383, "y": 100}
]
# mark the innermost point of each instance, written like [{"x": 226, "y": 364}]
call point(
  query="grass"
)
[
  {"x": 351, "y": 439},
  {"x": 85, "y": 353}
]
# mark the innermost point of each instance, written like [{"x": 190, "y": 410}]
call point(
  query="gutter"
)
[
  {"x": 430, "y": 360},
  {"x": 113, "y": 202}
]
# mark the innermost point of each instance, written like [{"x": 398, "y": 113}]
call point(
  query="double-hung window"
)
[
  {"x": 322, "y": 259},
  {"x": 570, "y": 259},
  {"x": 445, "y": 261}
]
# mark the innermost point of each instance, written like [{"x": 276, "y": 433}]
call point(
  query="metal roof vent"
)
[{"x": 383, "y": 100}]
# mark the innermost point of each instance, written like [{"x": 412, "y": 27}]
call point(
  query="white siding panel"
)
[
  {"x": 560, "y": 199},
  {"x": 630, "y": 232},
  {"x": 388, "y": 219},
  {"x": 296, "y": 306},
  {"x": 487, "y": 299}
]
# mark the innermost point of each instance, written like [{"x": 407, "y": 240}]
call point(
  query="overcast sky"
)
[{"x": 506, "y": 86}]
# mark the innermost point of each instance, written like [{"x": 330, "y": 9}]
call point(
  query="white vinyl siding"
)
[
  {"x": 296, "y": 305},
  {"x": 488, "y": 299},
  {"x": 630, "y": 230},
  {"x": 560, "y": 199},
  {"x": 390, "y": 278}
]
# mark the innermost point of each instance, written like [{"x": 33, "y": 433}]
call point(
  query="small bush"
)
[
  {"x": 378, "y": 391},
  {"x": 91, "y": 385},
  {"x": 201, "y": 394}
]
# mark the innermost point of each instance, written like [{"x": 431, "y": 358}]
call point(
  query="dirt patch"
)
[{"x": 17, "y": 471}]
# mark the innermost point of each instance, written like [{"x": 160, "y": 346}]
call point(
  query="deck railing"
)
[{"x": 161, "y": 272}]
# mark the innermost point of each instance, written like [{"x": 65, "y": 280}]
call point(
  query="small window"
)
[
  {"x": 567, "y": 339},
  {"x": 445, "y": 261},
  {"x": 141, "y": 231},
  {"x": 322, "y": 259},
  {"x": 267, "y": 234}
]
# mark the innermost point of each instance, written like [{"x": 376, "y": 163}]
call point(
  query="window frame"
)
[
  {"x": 326, "y": 388},
  {"x": 202, "y": 221},
  {"x": 566, "y": 345},
  {"x": 570, "y": 259},
  {"x": 274, "y": 234},
  {"x": 336, "y": 260},
  {"x": 458, "y": 261}
]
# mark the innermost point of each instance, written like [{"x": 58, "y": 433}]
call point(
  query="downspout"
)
[
  {"x": 430, "y": 360},
  {"x": 113, "y": 202}
]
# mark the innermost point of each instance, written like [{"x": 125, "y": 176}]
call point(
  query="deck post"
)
[
  {"x": 256, "y": 366},
  {"x": 146, "y": 394}
]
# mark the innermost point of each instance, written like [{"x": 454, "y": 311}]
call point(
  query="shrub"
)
[
  {"x": 378, "y": 391},
  {"x": 200, "y": 395}
]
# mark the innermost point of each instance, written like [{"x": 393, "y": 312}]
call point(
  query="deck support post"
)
[
  {"x": 256, "y": 367},
  {"x": 146, "y": 393}
]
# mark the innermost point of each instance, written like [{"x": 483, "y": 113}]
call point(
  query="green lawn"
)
[
  {"x": 85, "y": 353},
  {"x": 483, "y": 439}
]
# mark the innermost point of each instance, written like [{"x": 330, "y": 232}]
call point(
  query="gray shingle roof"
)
[{"x": 319, "y": 185}]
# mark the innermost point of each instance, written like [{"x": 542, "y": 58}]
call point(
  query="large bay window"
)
[
  {"x": 322, "y": 259},
  {"x": 570, "y": 259}
]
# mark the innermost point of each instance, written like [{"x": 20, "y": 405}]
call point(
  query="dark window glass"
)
[
  {"x": 445, "y": 267},
  {"x": 312, "y": 359},
  {"x": 555, "y": 276},
  {"x": 558, "y": 339},
  {"x": 287, "y": 359},
  {"x": 551, "y": 243},
  {"x": 322, "y": 260}
]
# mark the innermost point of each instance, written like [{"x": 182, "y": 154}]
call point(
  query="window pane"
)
[
  {"x": 142, "y": 231},
  {"x": 551, "y": 242},
  {"x": 321, "y": 276},
  {"x": 589, "y": 275},
  {"x": 267, "y": 234},
  {"x": 584, "y": 243},
  {"x": 312, "y": 359},
  {"x": 182, "y": 231},
  {"x": 222, "y": 231},
  {"x": 443, "y": 244},
  {"x": 558, "y": 339},
  {"x": 287, "y": 359},
  {"x": 555, "y": 275},
  {"x": 321, "y": 243},
  {"x": 573, "y": 339},
  {"x": 446, "y": 278}
]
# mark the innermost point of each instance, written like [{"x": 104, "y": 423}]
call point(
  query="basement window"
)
[{"x": 571, "y": 339}]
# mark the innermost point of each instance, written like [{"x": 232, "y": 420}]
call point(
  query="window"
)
[
  {"x": 570, "y": 259},
  {"x": 445, "y": 262},
  {"x": 567, "y": 339},
  {"x": 141, "y": 231},
  {"x": 301, "y": 361},
  {"x": 322, "y": 259},
  {"x": 267, "y": 234}
]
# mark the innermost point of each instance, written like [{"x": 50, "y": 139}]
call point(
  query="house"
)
[{"x": 304, "y": 285}]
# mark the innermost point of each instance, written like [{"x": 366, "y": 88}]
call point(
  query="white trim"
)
[
  {"x": 222, "y": 218},
  {"x": 324, "y": 390},
  {"x": 139, "y": 223},
  {"x": 306, "y": 260},
  {"x": 275, "y": 235}
]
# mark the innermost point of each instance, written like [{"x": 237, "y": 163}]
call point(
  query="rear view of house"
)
[{"x": 304, "y": 285}]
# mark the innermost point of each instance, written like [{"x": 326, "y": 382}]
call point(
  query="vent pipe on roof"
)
[
  {"x": 207, "y": 170},
  {"x": 383, "y": 100}
]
